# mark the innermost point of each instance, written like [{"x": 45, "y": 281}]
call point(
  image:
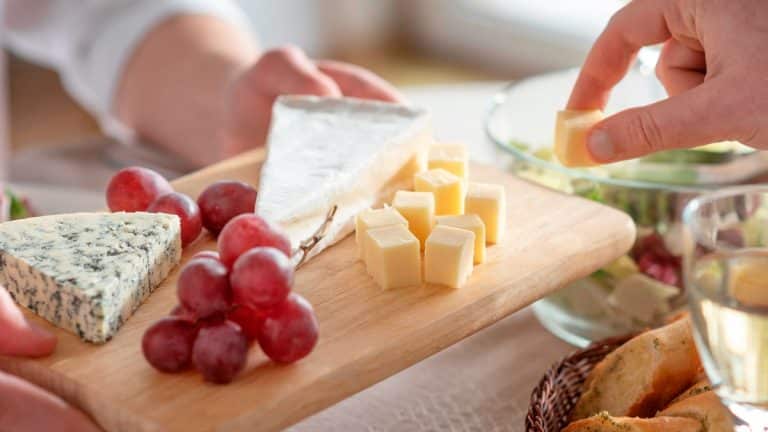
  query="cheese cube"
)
[
  {"x": 447, "y": 188},
  {"x": 416, "y": 164},
  {"x": 571, "y": 130},
  {"x": 469, "y": 222},
  {"x": 394, "y": 259},
  {"x": 489, "y": 202},
  {"x": 375, "y": 218},
  {"x": 450, "y": 157},
  {"x": 418, "y": 208},
  {"x": 448, "y": 256}
]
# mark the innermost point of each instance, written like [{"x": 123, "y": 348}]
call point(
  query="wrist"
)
[{"x": 173, "y": 90}]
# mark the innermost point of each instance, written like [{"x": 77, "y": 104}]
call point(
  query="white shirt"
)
[{"x": 90, "y": 41}]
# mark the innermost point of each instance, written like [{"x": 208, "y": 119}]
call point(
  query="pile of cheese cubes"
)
[{"x": 448, "y": 217}]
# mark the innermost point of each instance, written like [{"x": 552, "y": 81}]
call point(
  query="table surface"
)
[{"x": 481, "y": 383}]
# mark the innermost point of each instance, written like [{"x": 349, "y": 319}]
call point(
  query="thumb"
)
[
  {"x": 287, "y": 70},
  {"x": 690, "y": 119},
  {"x": 19, "y": 336},
  {"x": 28, "y": 408}
]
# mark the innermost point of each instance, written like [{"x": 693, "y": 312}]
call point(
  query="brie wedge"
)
[{"x": 348, "y": 153}]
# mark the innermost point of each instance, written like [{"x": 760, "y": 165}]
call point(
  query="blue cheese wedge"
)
[
  {"x": 348, "y": 153},
  {"x": 88, "y": 272}
]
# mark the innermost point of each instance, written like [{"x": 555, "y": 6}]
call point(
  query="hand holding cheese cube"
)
[
  {"x": 450, "y": 157},
  {"x": 375, "y": 218},
  {"x": 394, "y": 259},
  {"x": 418, "y": 208},
  {"x": 489, "y": 202},
  {"x": 571, "y": 136},
  {"x": 469, "y": 222},
  {"x": 447, "y": 188},
  {"x": 448, "y": 256}
]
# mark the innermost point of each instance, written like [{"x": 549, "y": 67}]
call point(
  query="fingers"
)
[
  {"x": 680, "y": 68},
  {"x": 358, "y": 82},
  {"x": 690, "y": 119},
  {"x": 25, "y": 407},
  {"x": 638, "y": 24},
  {"x": 287, "y": 70},
  {"x": 19, "y": 337}
]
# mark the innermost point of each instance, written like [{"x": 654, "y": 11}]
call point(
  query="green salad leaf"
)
[{"x": 18, "y": 209}]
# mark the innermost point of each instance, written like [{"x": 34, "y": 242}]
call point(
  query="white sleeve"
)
[{"x": 89, "y": 41}]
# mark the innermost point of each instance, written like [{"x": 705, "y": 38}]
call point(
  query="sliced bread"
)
[{"x": 643, "y": 375}]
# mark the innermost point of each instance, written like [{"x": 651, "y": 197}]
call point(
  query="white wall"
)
[
  {"x": 521, "y": 36},
  {"x": 321, "y": 25}
]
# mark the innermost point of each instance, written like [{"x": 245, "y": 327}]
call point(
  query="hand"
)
[
  {"x": 24, "y": 407},
  {"x": 287, "y": 70},
  {"x": 713, "y": 65}
]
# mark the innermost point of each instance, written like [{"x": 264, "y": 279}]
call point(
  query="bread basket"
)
[{"x": 556, "y": 394}]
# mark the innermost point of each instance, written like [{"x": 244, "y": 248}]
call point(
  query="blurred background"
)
[{"x": 419, "y": 45}]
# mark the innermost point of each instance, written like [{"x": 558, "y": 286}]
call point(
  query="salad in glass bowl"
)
[{"x": 645, "y": 286}]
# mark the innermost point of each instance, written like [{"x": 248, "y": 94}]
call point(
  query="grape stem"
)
[{"x": 308, "y": 244}]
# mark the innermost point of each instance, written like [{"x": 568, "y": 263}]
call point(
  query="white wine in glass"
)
[{"x": 726, "y": 274}]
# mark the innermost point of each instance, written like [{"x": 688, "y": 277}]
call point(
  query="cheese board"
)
[{"x": 366, "y": 334}]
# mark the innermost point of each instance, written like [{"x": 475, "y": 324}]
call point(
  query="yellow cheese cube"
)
[
  {"x": 447, "y": 188},
  {"x": 375, "y": 218},
  {"x": 489, "y": 202},
  {"x": 448, "y": 256},
  {"x": 571, "y": 130},
  {"x": 404, "y": 178},
  {"x": 418, "y": 208},
  {"x": 450, "y": 157},
  {"x": 469, "y": 222},
  {"x": 394, "y": 259}
]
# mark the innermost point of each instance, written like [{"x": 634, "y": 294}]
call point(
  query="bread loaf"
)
[
  {"x": 605, "y": 423},
  {"x": 704, "y": 407},
  {"x": 643, "y": 375},
  {"x": 702, "y": 385}
]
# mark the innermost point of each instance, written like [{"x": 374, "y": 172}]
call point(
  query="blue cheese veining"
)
[{"x": 88, "y": 272}]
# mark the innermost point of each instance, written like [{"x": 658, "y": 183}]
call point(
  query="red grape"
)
[
  {"x": 206, "y": 254},
  {"x": 290, "y": 330},
  {"x": 135, "y": 188},
  {"x": 249, "y": 320},
  {"x": 220, "y": 351},
  {"x": 183, "y": 207},
  {"x": 224, "y": 200},
  {"x": 167, "y": 344},
  {"x": 261, "y": 278},
  {"x": 203, "y": 288},
  {"x": 663, "y": 270},
  {"x": 181, "y": 312},
  {"x": 248, "y": 231}
]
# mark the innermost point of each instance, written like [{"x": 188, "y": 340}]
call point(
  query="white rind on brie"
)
[{"x": 351, "y": 153}]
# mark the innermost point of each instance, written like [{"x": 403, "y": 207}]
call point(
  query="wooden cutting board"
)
[{"x": 366, "y": 334}]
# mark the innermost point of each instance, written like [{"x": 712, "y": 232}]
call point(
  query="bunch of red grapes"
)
[{"x": 229, "y": 299}]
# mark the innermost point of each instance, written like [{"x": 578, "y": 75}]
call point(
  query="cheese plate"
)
[{"x": 366, "y": 334}]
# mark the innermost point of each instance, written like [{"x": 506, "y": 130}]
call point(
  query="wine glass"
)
[{"x": 725, "y": 266}]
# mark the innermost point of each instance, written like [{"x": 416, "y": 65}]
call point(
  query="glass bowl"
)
[{"x": 644, "y": 287}]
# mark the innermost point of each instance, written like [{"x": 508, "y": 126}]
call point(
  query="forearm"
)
[{"x": 173, "y": 90}]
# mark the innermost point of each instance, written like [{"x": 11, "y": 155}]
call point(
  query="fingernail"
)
[
  {"x": 39, "y": 331},
  {"x": 600, "y": 145}
]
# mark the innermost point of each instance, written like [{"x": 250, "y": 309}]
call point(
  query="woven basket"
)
[{"x": 555, "y": 396}]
